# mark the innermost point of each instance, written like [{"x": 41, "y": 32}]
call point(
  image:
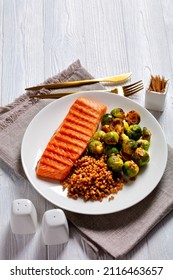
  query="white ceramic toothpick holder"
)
[
  {"x": 156, "y": 100},
  {"x": 55, "y": 228},
  {"x": 23, "y": 217}
]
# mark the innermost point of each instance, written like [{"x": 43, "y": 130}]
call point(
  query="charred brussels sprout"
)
[
  {"x": 111, "y": 137},
  {"x": 130, "y": 169},
  {"x": 95, "y": 147},
  {"x": 106, "y": 119},
  {"x": 144, "y": 144},
  {"x": 110, "y": 150},
  {"x": 141, "y": 157},
  {"x": 133, "y": 117},
  {"x": 99, "y": 135},
  {"x": 117, "y": 125},
  {"x": 118, "y": 113},
  {"x": 115, "y": 163},
  {"x": 146, "y": 134},
  {"x": 106, "y": 128},
  {"x": 134, "y": 131},
  {"x": 128, "y": 146}
]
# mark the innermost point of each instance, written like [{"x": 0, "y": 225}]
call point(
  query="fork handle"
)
[
  {"x": 60, "y": 94},
  {"x": 51, "y": 95}
]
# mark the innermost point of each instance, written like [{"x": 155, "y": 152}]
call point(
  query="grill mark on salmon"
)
[
  {"x": 91, "y": 104},
  {"x": 70, "y": 140},
  {"x": 74, "y": 120},
  {"x": 63, "y": 152},
  {"x": 87, "y": 111},
  {"x": 57, "y": 157},
  {"x": 75, "y": 134},
  {"x": 71, "y": 147},
  {"x": 54, "y": 163},
  {"x": 67, "y": 147},
  {"x": 82, "y": 117},
  {"x": 60, "y": 140},
  {"x": 78, "y": 128}
]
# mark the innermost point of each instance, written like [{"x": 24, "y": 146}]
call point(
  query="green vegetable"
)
[
  {"x": 95, "y": 147},
  {"x": 129, "y": 146},
  {"x": 117, "y": 125},
  {"x": 144, "y": 144},
  {"x": 130, "y": 169},
  {"x": 110, "y": 150},
  {"x": 115, "y": 163},
  {"x": 141, "y": 157},
  {"x": 124, "y": 138},
  {"x": 99, "y": 135},
  {"x": 106, "y": 119},
  {"x": 134, "y": 131},
  {"x": 146, "y": 134},
  {"x": 118, "y": 113},
  {"x": 126, "y": 126},
  {"x": 133, "y": 117},
  {"x": 111, "y": 137}
]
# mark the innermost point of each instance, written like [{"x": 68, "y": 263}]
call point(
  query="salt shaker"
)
[
  {"x": 55, "y": 228},
  {"x": 23, "y": 218}
]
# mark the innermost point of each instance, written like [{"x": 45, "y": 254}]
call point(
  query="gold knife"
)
[{"x": 113, "y": 79}]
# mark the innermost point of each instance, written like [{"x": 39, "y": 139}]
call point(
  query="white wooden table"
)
[{"x": 40, "y": 38}]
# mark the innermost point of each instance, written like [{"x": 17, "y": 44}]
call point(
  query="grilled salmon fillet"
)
[{"x": 70, "y": 139}]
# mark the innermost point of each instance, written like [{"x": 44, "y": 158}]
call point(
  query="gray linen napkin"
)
[{"x": 116, "y": 233}]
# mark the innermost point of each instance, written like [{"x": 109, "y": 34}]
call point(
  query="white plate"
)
[{"x": 46, "y": 122}]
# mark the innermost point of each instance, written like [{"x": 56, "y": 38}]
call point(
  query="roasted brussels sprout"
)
[
  {"x": 118, "y": 113},
  {"x": 124, "y": 138},
  {"x": 130, "y": 169},
  {"x": 99, "y": 135},
  {"x": 128, "y": 146},
  {"x": 110, "y": 150},
  {"x": 146, "y": 134},
  {"x": 134, "y": 131},
  {"x": 106, "y": 128},
  {"x": 125, "y": 156},
  {"x": 133, "y": 117},
  {"x": 111, "y": 137},
  {"x": 144, "y": 144},
  {"x": 95, "y": 147},
  {"x": 126, "y": 126},
  {"x": 141, "y": 157},
  {"x": 115, "y": 163},
  {"x": 106, "y": 119},
  {"x": 117, "y": 125}
]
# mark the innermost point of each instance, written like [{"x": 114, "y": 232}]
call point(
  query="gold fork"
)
[{"x": 121, "y": 90}]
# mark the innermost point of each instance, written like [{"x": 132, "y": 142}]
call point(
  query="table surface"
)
[{"x": 39, "y": 39}]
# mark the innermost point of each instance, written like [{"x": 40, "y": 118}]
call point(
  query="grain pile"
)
[{"x": 91, "y": 179}]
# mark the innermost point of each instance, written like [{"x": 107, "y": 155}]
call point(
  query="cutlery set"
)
[{"x": 126, "y": 90}]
